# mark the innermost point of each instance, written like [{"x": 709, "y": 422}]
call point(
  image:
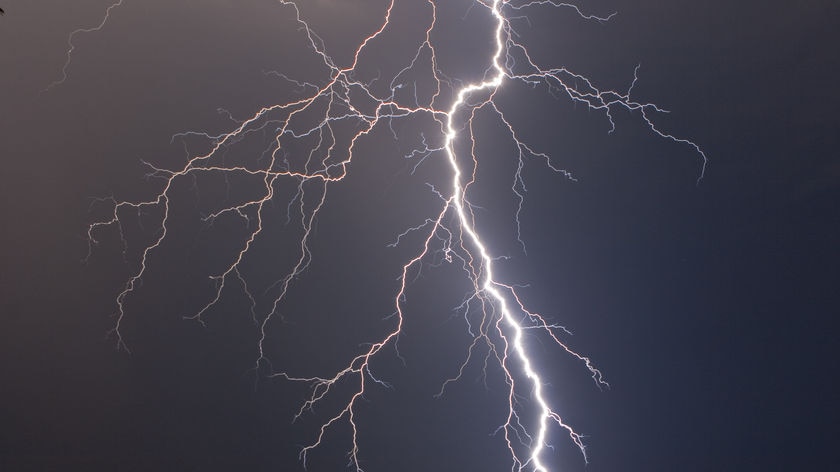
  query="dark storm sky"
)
[{"x": 710, "y": 308}]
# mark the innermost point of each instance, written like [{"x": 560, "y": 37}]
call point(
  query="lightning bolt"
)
[
  {"x": 318, "y": 120},
  {"x": 71, "y": 46}
]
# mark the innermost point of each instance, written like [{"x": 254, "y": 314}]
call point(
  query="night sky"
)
[{"x": 710, "y": 307}]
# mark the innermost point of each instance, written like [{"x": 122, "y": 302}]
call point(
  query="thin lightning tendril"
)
[
  {"x": 451, "y": 232},
  {"x": 72, "y": 47}
]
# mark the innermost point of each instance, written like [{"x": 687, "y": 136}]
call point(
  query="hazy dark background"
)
[{"x": 710, "y": 308}]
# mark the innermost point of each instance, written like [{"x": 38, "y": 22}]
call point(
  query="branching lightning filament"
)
[{"x": 343, "y": 101}]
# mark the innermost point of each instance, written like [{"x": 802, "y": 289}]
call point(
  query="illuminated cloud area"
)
[{"x": 408, "y": 236}]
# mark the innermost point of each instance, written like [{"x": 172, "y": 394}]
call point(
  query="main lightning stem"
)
[{"x": 490, "y": 285}]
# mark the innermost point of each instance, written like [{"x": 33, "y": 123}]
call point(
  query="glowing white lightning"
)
[
  {"x": 344, "y": 100},
  {"x": 490, "y": 284}
]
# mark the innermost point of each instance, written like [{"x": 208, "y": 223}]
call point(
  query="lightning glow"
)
[{"x": 319, "y": 119}]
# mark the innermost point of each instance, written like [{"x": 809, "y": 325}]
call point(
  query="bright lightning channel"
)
[{"x": 503, "y": 314}]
